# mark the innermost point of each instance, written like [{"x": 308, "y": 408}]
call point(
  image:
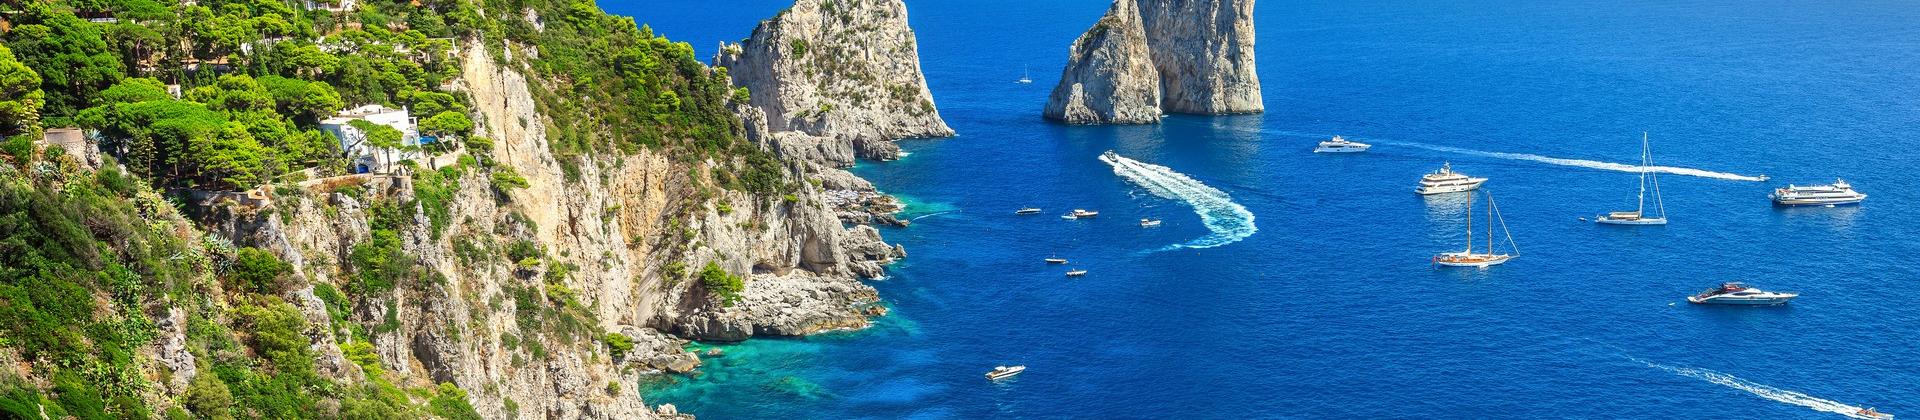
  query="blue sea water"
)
[{"x": 1329, "y": 308}]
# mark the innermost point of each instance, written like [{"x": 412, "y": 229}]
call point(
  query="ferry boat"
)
[
  {"x": 1004, "y": 372},
  {"x": 1737, "y": 293},
  {"x": 1027, "y": 210},
  {"x": 1837, "y": 193},
  {"x": 1341, "y": 145},
  {"x": 1446, "y": 180},
  {"x": 1468, "y": 258},
  {"x": 1149, "y": 222},
  {"x": 1077, "y": 272},
  {"x": 1639, "y": 215}
]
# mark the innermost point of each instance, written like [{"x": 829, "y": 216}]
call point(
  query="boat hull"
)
[
  {"x": 1489, "y": 262},
  {"x": 1768, "y": 301},
  {"x": 1339, "y": 149},
  {"x": 1804, "y": 203},
  {"x": 1449, "y": 188},
  {"x": 1630, "y": 222}
]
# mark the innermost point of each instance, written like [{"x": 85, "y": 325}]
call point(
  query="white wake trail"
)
[
  {"x": 1583, "y": 163},
  {"x": 1228, "y": 221},
  {"x": 1761, "y": 390}
]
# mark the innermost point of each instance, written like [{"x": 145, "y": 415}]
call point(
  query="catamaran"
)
[
  {"x": 1639, "y": 215},
  {"x": 1838, "y": 193},
  {"x": 1468, "y": 258}
]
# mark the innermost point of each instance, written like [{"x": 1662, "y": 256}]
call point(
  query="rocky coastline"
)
[{"x": 1148, "y": 57}]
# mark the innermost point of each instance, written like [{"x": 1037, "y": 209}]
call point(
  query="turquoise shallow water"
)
[{"x": 1329, "y": 309}]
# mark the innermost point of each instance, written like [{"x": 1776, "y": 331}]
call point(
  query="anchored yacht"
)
[
  {"x": 1056, "y": 260},
  {"x": 1639, "y": 215},
  {"x": 1004, "y": 372},
  {"x": 1737, "y": 293},
  {"x": 1468, "y": 258},
  {"x": 1341, "y": 145},
  {"x": 1149, "y": 222},
  {"x": 1077, "y": 273},
  {"x": 1838, "y": 193},
  {"x": 1446, "y": 180},
  {"x": 1080, "y": 214}
]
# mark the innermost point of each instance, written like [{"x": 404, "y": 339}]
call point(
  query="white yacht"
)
[
  {"x": 1639, "y": 215},
  {"x": 1023, "y": 76},
  {"x": 1056, "y": 260},
  {"x": 1076, "y": 272},
  {"x": 1004, "y": 372},
  {"x": 1027, "y": 210},
  {"x": 1080, "y": 214},
  {"x": 1446, "y": 180},
  {"x": 1838, "y": 193},
  {"x": 1341, "y": 145},
  {"x": 1149, "y": 222},
  {"x": 1468, "y": 258},
  {"x": 1737, "y": 293}
]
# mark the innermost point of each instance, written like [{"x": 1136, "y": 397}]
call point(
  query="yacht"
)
[
  {"x": 1027, "y": 210},
  {"x": 1004, "y": 372},
  {"x": 1341, "y": 145},
  {"x": 1468, "y": 258},
  {"x": 1639, "y": 215},
  {"x": 1077, "y": 272},
  {"x": 1056, "y": 260},
  {"x": 1840, "y": 192},
  {"x": 1446, "y": 180},
  {"x": 1080, "y": 214},
  {"x": 1737, "y": 293},
  {"x": 1149, "y": 222},
  {"x": 1023, "y": 76}
]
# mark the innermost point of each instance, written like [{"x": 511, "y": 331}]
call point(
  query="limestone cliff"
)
[
  {"x": 1110, "y": 77},
  {"x": 1201, "y": 52},
  {"x": 835, "y": 80}
]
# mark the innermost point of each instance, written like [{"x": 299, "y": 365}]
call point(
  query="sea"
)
[{"x": 1289, "y": 284}]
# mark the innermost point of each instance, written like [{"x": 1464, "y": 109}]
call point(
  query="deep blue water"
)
[{"x": 1330, "y": 309}]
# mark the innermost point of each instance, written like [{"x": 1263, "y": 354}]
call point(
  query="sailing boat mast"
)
[
  {"x": 1469, "y": 225},
  {"x": 1642, "y": 209},
  {"x": 1646, "y": 157},
  {"x": 1489, "y": 223}
]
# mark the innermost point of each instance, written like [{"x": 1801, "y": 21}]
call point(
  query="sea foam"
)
[
  {"x": 1229, "y": 221},
  {"x": 1760, "y": 390}
]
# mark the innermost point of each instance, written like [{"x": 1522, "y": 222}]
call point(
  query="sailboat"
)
[
  {"x": 1638, "y": 215},
  {"x": 1468, "y": 258},
  {"x": 1023, "y": 76}
]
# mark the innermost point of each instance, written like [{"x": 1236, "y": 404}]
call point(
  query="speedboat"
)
[
  {"x": 1737, "y": 293},
  {"x": 1027, "y": 210},
  {"x": 1004, "y": 372},
  {"x": 1149, "y": 222},
  {"x": 1077, "y": 273},
  {"x": 1487, "y": 258},
  {"x": 1639, "y": 214},
  {"x": 1080, "y": 214},
  {"x": 1871, "y": 413},
  {"x": 1837, "y": 193},
  {"x": 1341, "y": 145},
  {"x": 1056, "y": 260},
  {"x": 1446, "y": 180}
]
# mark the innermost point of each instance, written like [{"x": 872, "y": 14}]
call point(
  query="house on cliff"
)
[{"x": 364, "y": 154}]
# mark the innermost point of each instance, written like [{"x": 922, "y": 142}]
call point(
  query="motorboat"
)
[
  {"x": 1080, "y": 214},
  {"x": 1341, "y": 145},
  {"x": 1056, "y": 260},
  {"x": 1469, "y": 258},
  {"x": 1027, "y": 210},
  {"x": 1004, "y": 372},
  {"x": 1149, "y": 222},
  {"x": 1837, "y": 193},
  {"x": 1077, "y": 272},
  {"x": 1737, "y": 293},
  {"x": 1871, "y": 413},
  {"x": 1639, "y": 215},
  {"x": 1446, "y": 180}
]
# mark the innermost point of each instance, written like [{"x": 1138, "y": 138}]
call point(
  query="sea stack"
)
[
  {"x": 1202, "y": 59},
  {"x": 835, "y": 80}
]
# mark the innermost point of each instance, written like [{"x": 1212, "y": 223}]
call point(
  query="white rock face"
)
[
  {"x": 842, "y": 74},
  {"x": 1109, "y": 77},
  {"x": 1200, "y": 54}
]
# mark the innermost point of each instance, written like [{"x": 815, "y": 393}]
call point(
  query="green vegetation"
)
[
  {"x": 721, "y": 284},
  {"x": 258, "y": 271},
  {"x": 619, "y": 343}
]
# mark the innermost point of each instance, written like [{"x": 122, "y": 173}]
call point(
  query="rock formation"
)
[
  {"x": 1110, "y": 77},
  {"x": 1201, "y": 53},
  {"x": 834, "y": 80}
]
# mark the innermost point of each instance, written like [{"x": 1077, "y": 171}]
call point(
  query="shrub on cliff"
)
[
  {"x": 256, "y": 270},
  {"x": 721, "y": 284}
]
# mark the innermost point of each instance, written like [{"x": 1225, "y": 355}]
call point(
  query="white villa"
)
[{"x": 353, "y": 142}]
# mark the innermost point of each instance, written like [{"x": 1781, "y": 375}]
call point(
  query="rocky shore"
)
[{"x": 1145, "y": 57}]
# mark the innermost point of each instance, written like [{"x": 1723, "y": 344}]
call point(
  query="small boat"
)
[
  {"x": 1149, "y": 222},
  {"x": 1023, "y": 76},
  {"x": 1871, "y": 413},
  {"x": 1077, "y": 272},
  {"x": 1737, "y": 293},
  {"x": 1837, "y": 193},
  {"x": 1468, "y": 258},
  {"x": 1080, "y": 214},
  {"x": 1027, "y": 210},
  {"x": 1004, "y": 372},
  {"x": 1639, "y": 215},
  {"x": 1446, "y": 180},
  {"x": 1056, "y": 260},
  {"x": 1341, "y": 145}
]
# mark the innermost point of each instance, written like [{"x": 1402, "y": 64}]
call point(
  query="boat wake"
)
[
  {"x": 1229, "y": 221},
  {"x": 1759, "y": 390},
  {"x": 1583, "y": 163}
]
